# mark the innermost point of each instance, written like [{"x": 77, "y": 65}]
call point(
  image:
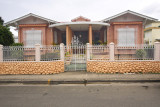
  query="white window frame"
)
[
  {"x": 126, "y": 36},
  {"x": 31, "y": 38}
]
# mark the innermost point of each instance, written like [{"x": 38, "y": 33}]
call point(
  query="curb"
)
[{"x": 76, "y": 82}]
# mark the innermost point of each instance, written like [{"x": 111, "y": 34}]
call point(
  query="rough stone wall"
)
[
  {"x": 31, "y": 67},
  {"x": 124, "y": 67}
]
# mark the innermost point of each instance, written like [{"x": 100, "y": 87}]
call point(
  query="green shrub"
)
[
  {"x": 50, "y": 56},
  {"x": 17, "y": 44},
  {"x": 140, "y": 53}
]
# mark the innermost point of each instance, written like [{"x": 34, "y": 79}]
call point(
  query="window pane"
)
[
  {"x": 33, "y": 37},
  {"x": 130, "y": 37},
  {"x": 126, "y": 37},
  {"x": 121, "y": 37}
]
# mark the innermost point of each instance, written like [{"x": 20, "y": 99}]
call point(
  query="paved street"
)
[{"x": 92, "y": 95}]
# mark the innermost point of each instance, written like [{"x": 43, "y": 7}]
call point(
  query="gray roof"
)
[
  {"x": 131, "y": 12},
  {"x": 30, "y": 14}
]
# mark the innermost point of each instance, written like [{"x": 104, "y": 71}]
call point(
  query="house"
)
[
  {"x": 124, "y": 29},
  {"x": 15, "y": 39},
  {"x": 152, "y": 33}
]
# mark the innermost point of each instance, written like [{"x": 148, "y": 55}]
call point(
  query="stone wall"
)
[
  {"x": 124, "y": 67},
  {"x": 31, "y": 67}
]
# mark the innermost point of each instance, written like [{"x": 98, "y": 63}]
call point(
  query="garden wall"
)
[
  {"x": 31, "y": 67},
  {"x": 123, "y": 67}
]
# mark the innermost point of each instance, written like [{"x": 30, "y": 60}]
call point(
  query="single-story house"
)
[{"x": 124, "y": 29}]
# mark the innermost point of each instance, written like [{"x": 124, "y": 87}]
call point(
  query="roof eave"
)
[
  {"x": 30, "y": 14},
  {"x": 131, "y": 12}
]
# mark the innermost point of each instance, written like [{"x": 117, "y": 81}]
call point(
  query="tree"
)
[
  {"x": 6, "y": 36},
  {"x": 1, "y": 21}
]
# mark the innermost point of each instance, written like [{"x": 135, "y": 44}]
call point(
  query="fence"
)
[
  {"x": 99, "y": 52},
  {"x": 22, "y": 53},
  {"x": 49, "y": 53},
  {"x": 109, "y": 52},
  {"x": 18, "y": 53},
  {"x": 138, "y": 52}
]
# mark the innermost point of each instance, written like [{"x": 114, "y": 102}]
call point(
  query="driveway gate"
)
[{"x": 75, "y": 58}]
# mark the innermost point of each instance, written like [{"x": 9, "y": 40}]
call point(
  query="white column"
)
[
  {"x": 157, "y": 51},
  {"x": 88, "y": 51},
  {"x": 111, "y": 51},
  {"x": 1, "y": 53},
  {"x": 62, "y": 52},
  {"x": 37, "y": 52}
]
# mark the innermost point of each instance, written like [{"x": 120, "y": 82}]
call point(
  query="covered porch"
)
[{"x": 85, "y": 32}]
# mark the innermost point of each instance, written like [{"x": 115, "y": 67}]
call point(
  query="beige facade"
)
[{"x": 152, "y": 33}]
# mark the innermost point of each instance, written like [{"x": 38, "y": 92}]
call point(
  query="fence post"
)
[
  {"x": 88, "y": 51},
  {"x": 157, "y": 51},
  {"x": 62, "y": 52},
  {"x": 37, "y": 52},
  {"x": 111, "y": 51},
  {"x": 1, "y": 53}
]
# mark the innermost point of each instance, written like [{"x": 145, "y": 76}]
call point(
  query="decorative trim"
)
[
  {"x": 124, "y": 23},
  {"x": 33, "y": 25}
]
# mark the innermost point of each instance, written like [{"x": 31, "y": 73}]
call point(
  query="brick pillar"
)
[
  {"x": 62, "y": 52},
  {"x": 1, "y": 53},
  {"x": 67, "y": 35},
  {"x": 90, "y": 34},
  {"x": 37, "y": 52},
  {"x": 111, "y": 51},
  {"x": 157, "y": 51},
  {"x": 88, "y": 51}
]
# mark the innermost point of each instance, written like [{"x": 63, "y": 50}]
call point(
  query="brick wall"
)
[
  {"x": 31, "y": 67},
  {"x": 124, "y": 67}
]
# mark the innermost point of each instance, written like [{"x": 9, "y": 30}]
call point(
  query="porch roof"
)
[{"x": 80, "y": 26}]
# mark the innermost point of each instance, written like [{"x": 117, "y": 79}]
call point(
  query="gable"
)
[
  {"x": 127, "y": 18},
  {"x": 128, "y": 15},
  {"x": 80, "y": 18},
  {"x": 32, "y": 20}
]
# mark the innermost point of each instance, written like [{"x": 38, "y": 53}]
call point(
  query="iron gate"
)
[{"x": 75, "y": 58}]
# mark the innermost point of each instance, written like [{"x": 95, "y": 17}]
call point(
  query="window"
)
[
  {"x": 33, "y": 37},
  {"x": 126, "y": 37},
  {"x": 55, "y": 37}
]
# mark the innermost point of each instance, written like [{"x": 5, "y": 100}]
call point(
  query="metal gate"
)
[{"x": 75, "y": 58}]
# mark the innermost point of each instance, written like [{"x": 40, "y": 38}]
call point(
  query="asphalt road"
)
[{"x": 100, "y": 95}]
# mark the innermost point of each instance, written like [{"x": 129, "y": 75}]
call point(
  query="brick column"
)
[
  {"x": 37, "y": 52},
  {"x": 1, "y": 53},
  {"x": 90, "y": 34},
  {"x": 67, "y": 35},
  {"x": 62, "y": 52},
  {"x": 157, "y": 51},
  {"x": 111, "y": 51}
]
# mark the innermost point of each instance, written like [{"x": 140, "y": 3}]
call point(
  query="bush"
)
[
  {"x": 50, "y": 56},
  {"x": 140, "y": 53},
  {"x": 17, "y": 44}
]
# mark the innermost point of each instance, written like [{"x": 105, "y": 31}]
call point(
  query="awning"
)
[{"x": 79, "y": 26}]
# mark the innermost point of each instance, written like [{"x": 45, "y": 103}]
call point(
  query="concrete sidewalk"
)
[{"x": 78, "y": 77}]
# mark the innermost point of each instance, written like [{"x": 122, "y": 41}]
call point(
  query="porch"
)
[{"x": 85, "y": 32}]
